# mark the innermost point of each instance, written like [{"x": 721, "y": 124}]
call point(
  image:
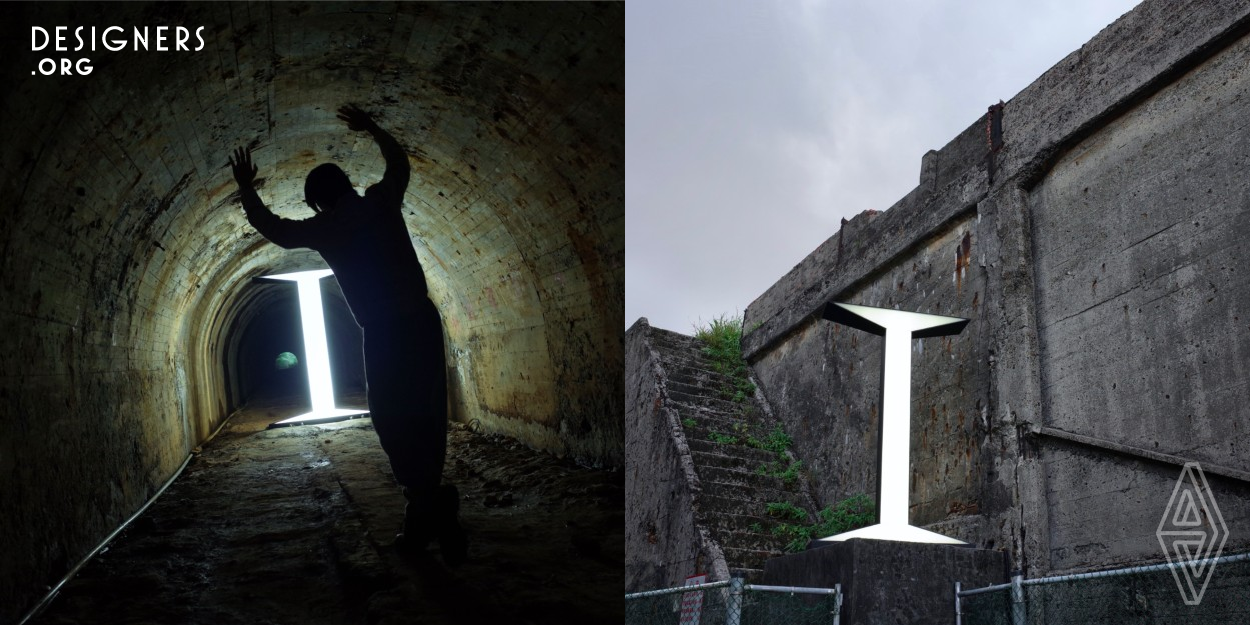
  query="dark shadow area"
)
[
  {"x": 296, "y": 525},
  {"x": 274, "y": 331}
]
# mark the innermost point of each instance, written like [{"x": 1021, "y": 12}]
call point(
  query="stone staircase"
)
[{"x": 732, "y": 502}]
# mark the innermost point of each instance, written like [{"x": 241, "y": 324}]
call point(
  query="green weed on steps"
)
[
  {"x": 787, "y": 473},
  {"x": 722, "y": 343},
  {"x": 851, "y": 513},
  {"x": 776, "y": 441},
  {"x": 786, "y": 511}
]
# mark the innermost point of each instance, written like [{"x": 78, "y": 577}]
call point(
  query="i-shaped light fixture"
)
[
  {"x": 316, "y": 352},
  {"x": 899, "y": 328}
]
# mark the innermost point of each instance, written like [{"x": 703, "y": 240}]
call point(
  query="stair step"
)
[
  {"x": 691, "y": 362},
  {"x": 664, "y": 340},
  {"x": 753, "y": 541},
  {"x": 704, "y": 427},
  {"x": 711, "y": 381},
  {"x": 717, "y": 460},
  {"x": 745, "y": 479},
  {"x": 704, "y": 433},
  {"x": 762, "y": 494},
  {"x": 734, "y": 530},
  {"x": 749, "y": 558},
  {"x": 726, "y": 422},
  {"x": 739, "y": 456},
  {"x": 694, "y": 418},
  {"x": 693, "y": 359},
  {"x": 698, "y": 388},
  {"x": 692, "y": 352},
  {"x": 734, "y": 497},
  {"x": 693, "y": 398},
  {"x": 741, "y": 522},
  {"x": 728, "y": 504},
  {"x": 687, "y": 356}
]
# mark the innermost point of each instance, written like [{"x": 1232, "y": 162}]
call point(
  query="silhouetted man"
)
[{"x": 365, "y": 241}]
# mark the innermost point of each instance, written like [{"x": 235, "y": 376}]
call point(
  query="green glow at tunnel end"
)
[{"x": 285, "y": 360}]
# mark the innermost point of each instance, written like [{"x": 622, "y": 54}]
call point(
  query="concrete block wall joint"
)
[
  {"x": 1136, "y": 452},
  {"x": 993, "y": 138}
]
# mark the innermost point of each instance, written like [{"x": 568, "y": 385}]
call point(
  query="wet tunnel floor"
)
[{"x": 296, "y": 525}]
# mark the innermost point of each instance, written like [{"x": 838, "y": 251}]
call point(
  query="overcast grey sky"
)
[{"x": 753, "y": 126}]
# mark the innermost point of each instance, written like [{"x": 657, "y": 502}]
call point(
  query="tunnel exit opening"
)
[
  {"x": 316, "y": 351},
  {"x": 264, "y": 359}
]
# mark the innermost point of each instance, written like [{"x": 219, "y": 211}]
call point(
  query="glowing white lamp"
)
[
  {"x": 316, "y": 352},
  {"x": 899, "y": 328}
]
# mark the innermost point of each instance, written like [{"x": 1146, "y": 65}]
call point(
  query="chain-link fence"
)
[
  {"x": 1164, "y": 593},
  {"x": 734, "y": 603}
]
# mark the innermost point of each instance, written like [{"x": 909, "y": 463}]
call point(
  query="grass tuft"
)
[
  {"x": 785, "y": 510},
  {"x": 722, "y": 343},
  {"x": 776, "y": 441},
  {"x": 788, "y": 473}
]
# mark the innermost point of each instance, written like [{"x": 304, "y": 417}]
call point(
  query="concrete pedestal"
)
[{"x": 890, "y": 582}]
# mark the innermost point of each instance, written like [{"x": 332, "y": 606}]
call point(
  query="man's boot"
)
[
  {"x": 419, "y": 524},
  {"x": 452, "y": 541}
]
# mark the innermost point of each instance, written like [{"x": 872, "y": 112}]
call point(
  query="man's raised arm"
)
[
  {"x": 282, "y": 232},
  {"x": 395, "y": 180}
]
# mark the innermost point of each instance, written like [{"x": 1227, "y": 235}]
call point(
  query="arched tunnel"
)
[{"x": 132, "y": 323}]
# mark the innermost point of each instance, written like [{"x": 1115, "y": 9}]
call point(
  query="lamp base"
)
[
  {"x": 324, "y": 416},
  {"x": 886, "y": 581},
  {"x": 896, "y": 532}
]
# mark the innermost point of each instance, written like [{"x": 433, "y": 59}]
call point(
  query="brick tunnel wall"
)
[
  {"x": 1102, "y": 266},
  {"x": 127, "y": 261}
]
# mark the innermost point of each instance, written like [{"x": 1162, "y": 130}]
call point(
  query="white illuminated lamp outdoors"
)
[
  {"x": 899, "y": 328},
  {"x": 316, "y": 353}
]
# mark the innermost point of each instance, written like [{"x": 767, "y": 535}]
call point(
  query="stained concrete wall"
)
[
  {"x": 663, "y": 544},
  {"x": 1143, "y": 301},
  {"x": 824, "y": 379},
  {"x": 1109, "y": 310},
  {"x": 126, "y": 261}
]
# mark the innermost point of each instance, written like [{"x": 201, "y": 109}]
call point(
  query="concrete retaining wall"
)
[
  {"x": 663, "y": 544},
  {"x": 1102, "y": 266}
]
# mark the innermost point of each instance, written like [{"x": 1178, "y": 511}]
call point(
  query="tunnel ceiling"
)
[{"x": 126, "y": 250}]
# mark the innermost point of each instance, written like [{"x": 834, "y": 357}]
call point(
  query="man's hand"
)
[
  {"x": 395, "y": 179},
  {"x": 357, "y": 119},
  {"x": 244, "y": 170}
]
